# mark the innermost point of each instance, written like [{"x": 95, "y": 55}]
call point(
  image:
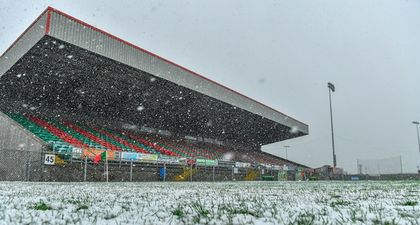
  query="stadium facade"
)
[{"x": 68, "y": 87}]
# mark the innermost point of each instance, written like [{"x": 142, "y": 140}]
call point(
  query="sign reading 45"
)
[{"x": 49, "y": 159}]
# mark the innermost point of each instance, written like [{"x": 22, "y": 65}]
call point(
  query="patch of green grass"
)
[
  {"x": 230, "y": 209},
  {"x": 409, "y": 203},
  {"x": 200, "y": 209},
  {"x": 81, "y": 207},
  {"x": 178, "y": 212},
  {"x": 110, "y": 216},
  {"x": 338, "y": 203},
  {"x": 380, "y": 222},
  {"x": 75, "y": 202},
  {"x": 245, "y": 211},
  {"x": 41, "y": 206},
  {"x": 305, "y": 219},
  {"x": 405, "y": 215}
]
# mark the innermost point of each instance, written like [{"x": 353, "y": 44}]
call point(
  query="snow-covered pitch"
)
[{"x": 358, "y": 202}]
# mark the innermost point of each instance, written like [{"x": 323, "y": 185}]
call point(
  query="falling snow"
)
[{"x": 140, "y": 108}]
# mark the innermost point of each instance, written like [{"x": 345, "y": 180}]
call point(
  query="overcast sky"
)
[{"x": 283, "y": 53}]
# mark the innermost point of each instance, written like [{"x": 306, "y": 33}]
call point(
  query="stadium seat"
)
[{"x": 64, "y": 136}]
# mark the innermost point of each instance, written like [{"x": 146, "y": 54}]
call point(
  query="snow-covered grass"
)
[{"x": 211, "y": 203}]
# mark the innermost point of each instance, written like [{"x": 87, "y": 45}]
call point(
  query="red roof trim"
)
[
  {"x": 47, "y": 25},
  {"x": 26, "y": 30}
]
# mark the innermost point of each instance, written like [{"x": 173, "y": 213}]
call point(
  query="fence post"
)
[
  {"x": 29, "y": 166},
  {"x": 41, "y": 177},
  {"x": 120, "y": 159},
  {"x": 191, "y": 172},
  {"x": 233, "y": 170},
  {"x": 106, "y": 167},
  {"x": 213, "y": 173},
  {"x": 164, "y": 172},
  {"x": 131, "y": 171},
  {"x": 85, "y": 170}
]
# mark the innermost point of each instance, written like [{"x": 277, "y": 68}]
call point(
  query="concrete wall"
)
[{"x": 20, "y": 151}]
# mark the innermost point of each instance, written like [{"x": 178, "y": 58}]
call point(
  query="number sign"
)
[{"x": 49, "y": 159}]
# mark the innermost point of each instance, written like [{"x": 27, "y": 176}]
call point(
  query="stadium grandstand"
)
[{"x": 67, "y": 87}]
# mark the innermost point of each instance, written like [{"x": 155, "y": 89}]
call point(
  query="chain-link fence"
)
[
  {"x": 20, "y": 165},
  {"x": 53, "y": 166},
  {"x": 391, "y": 165}
]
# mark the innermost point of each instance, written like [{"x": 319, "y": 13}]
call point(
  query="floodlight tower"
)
[
  {"x": 331, "y": 88},
  {"x": 286, "y": 147}
]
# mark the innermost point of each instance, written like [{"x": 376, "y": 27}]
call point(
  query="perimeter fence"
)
[
  {"x": 20, "y": 165},
  {"x": 390, "y": 165}
]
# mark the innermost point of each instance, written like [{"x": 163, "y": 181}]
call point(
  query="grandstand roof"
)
[{"x": 63, "y": 66}]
